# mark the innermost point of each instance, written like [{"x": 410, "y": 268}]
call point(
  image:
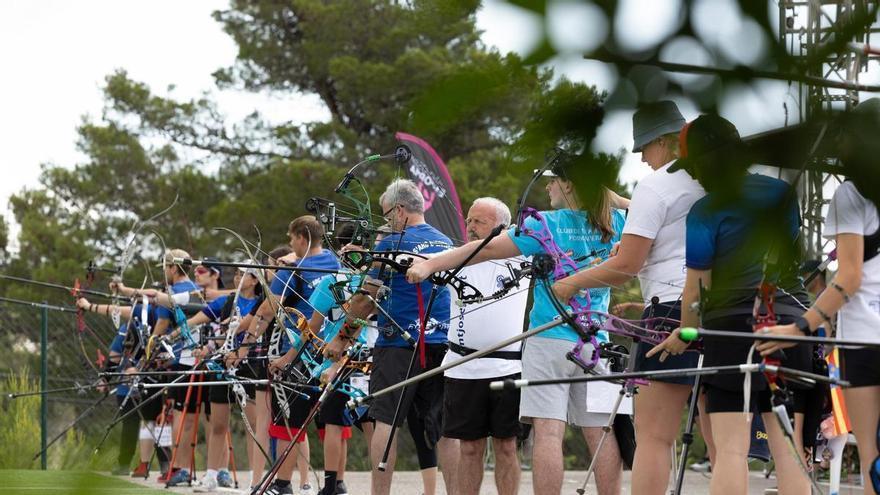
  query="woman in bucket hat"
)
[{"x": 652, "y": 247}]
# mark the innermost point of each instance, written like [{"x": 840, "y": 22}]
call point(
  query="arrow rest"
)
[{"x": 542, "y": 265}]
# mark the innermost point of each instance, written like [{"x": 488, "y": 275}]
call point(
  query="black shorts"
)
[
  {"x": 289, "y": 417},
  {"x": 259, "y": 370},
  {"x": 720, "y": 400},
  {"x": 390, "y": 367},
  {"x": 671, "y": 310},
  {"x": 471, "y": 411},
  {"x": 153, "y": 408},
  {"x": 197, "y": 395},
  {"x": 860, "y": 367},
  {"x": 726, "y": 352},
  {"x": 252, "y": 370},
  {"x": 219, "y": 394},
  {"x": 334, "y": 410}
]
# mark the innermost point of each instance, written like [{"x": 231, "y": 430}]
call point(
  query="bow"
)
[
  {"x": 128, "y": 255},
  {"x": 401, "y": 261},
  {"x": 81, "y": 326},
  {"x": 328, "y": 213},
  {"x": 555, "y": 264},
  {"x": 563, "y": 265}
]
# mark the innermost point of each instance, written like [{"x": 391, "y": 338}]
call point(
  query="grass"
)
[{"x": 29, "y": 482}]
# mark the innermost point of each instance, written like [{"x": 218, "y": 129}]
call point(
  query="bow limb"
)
[{"x": 128, "y": 255}]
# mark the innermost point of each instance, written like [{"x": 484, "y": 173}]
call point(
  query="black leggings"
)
[
  {"x": 426, "y": 453},
  {"x": 128, "y": 437}
]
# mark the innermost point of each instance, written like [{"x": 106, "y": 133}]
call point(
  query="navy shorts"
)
[{"x": 685, "y": 360}]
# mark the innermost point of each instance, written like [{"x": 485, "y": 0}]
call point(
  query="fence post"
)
[{"x": 44, "y": 374}]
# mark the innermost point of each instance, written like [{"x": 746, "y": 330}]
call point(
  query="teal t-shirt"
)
[
  {"x": 576, "y": 237},
  {"x": 323, "y": 301}
]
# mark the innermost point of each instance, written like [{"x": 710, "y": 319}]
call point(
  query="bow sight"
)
[
  {"x": 326, "y": 213},
  {"x": 326, "y": 210}
]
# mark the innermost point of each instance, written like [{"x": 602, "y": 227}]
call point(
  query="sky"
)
[{"x": 56, "y": 54}]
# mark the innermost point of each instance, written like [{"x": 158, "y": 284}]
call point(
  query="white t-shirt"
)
[
  {"x": 478, "y": 326},
  {"x": 658, "y": 210},
  {"x": 851, "y": 213}
]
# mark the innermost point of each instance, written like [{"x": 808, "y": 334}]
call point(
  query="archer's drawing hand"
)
[
  {"x": 235, "y": 357},
  {"x": 768, "y": 347},
  {"x": 329, "y": 374},
  {"x": 278, "y": 365},
  {"x": 673, "y": 345},
  {"x": 351, "y": 247},
  {"x": 564, "y": 289},
  {"x": 418, "y": 272},
  {"x": 614, "y": 249},
  {"x": 335, "y": 348}
]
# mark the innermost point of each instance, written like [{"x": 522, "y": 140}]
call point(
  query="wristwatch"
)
[{"x": 803, "y": 325}]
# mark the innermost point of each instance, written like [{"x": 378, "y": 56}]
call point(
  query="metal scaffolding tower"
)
[{"x": 805, "y": 26}]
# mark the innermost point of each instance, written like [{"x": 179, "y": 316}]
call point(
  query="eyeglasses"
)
[{"x": 388, "y": 211}]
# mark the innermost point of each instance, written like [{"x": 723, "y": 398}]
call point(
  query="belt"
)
[
  {"x": 781, "y": 309},
  {"x": 464, "y": 351}
]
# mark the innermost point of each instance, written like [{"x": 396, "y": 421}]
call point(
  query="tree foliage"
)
[{"x": 416, "y": 66}]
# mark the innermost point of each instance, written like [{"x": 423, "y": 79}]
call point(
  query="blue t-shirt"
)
[
  {"x": 576, "y": 237},
  {"x": 299, "y": 285},
  {"x": 152, "y": 315},
  {"x": 732, "y": 240},
  {"x": 324, "y": 301},
  {"x": 163, "y": 313},
  {"x": 214, "y": 309},
  {"x": 116, "y": 346},
  {"x": 402, "y": 302},
  {"x": 187, "y": 285}
]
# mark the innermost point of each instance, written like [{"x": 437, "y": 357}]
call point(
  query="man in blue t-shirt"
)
[
  {"x": 167, "y": 320},
  {"x": 405, "y": 307},
  {"x": 586, "y": 236},
  {"x": 292, "y": 288}
]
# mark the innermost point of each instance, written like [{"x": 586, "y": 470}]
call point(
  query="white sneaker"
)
[
  {"x": 307, "y": 490},
  {"x": 206, "y": 485}
]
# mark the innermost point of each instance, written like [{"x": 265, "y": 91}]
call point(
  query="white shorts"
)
[{"x": 544, "y": 358}]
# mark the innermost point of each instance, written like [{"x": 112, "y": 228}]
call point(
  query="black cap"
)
[{"x": 706, "y": 139}]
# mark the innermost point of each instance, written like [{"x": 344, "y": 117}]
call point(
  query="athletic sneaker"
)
[
  {"x": 164, "y": 477},
  {"x": 180, "y": 477},
  {"x": 224, "y": 479},
  {"x": 206, "y": 485},
  {"x": 341, "y": 489},
  {"x": 274, "y": 489},
  {"x": 703, "y": 466},
  {"x": 306, "y": 490},
  {"x": 141, "y": 471}
]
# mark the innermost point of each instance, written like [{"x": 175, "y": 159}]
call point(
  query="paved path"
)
[{"x": 410, "y": 483}]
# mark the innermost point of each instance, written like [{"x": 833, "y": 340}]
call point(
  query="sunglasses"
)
[{"x": 201, "y": 270}]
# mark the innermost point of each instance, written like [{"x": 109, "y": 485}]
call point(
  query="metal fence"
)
[{"x": 62, "y": 352}]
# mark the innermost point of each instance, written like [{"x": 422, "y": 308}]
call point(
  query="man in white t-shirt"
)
[{"x": 472, "y": 412}]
